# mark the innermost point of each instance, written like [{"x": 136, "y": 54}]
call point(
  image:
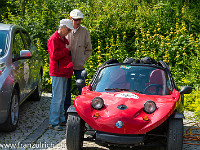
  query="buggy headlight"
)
[
  {"x": 149, "y": 107},
  {"x": 97, "y": 103}
]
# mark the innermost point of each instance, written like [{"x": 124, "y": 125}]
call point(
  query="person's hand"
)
[{"x": 67, "y": 46}]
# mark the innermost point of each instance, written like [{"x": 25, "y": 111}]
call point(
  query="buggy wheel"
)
[
  {"x": 74, "y": 132},
  {"x": 175, "y": 134}
]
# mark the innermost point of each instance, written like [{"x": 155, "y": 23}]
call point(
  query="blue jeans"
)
[
  {"x": 67, "y": 103},
  {"x": 59, "y": 87}
]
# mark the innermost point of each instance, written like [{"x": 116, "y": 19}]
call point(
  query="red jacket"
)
[{"x": 60, "y": 60}]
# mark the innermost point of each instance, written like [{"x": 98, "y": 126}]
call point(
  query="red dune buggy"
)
[{"x": 132, "y": 103}]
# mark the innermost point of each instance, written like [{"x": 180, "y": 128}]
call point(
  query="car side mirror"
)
[
  {"x": 186, "y": 90},
  {"x": 84, "y": 74},
  {"x": 25, "y": 54},
  {"x": 80, "y": 83}
]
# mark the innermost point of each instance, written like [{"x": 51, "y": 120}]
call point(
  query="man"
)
[
  {"x": 60, "y": 69},
  {"x": 80, "y": 47}
]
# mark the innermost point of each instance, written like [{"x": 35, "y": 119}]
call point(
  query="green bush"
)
[{"x": 192, "y": 102}]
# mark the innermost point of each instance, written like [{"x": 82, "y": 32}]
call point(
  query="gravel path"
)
[{"x": 33, "y": 131}]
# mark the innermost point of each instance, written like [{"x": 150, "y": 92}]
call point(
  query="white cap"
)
[
  {"x": 76, "y": 14},
  {"x": 67, "y": 22}
]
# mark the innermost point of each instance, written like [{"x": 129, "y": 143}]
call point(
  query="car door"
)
[
  {"x": 21, "y": 71},
  {"x": 34, "y": 62},
  {"x": 29, "y": 73}
]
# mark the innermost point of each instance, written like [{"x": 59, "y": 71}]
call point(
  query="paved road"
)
[{"x": 33, "y": 131}]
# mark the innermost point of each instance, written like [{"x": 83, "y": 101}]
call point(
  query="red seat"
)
[{"x": 157, "y": 77}]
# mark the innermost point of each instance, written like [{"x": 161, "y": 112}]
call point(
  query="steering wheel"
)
[{"x": 157, "y": 86}]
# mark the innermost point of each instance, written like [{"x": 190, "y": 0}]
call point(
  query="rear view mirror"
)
[
  {"x": 84, "y": 74},
  {"x": 80, "y": 83},
  {"x": 25, "y": 54},
  {"x": 186, "y": 90}
]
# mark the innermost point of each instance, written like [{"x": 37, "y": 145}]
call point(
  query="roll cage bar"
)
[{"x": 133, "y": 62}]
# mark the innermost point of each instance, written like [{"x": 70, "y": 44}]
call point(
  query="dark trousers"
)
[{"x": 67, "y": 103}]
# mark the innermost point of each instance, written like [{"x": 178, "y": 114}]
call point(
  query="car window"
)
[
  {"x": 3, "y": 42},
  {"x": 27, "y": 40},
  {"x": 141, "y": 79},
  {"x": 18, "y": 45}
]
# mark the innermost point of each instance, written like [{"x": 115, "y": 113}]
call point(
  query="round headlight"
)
[
  {"x": 149, "y": 107},
  {"x": 97, "y": 103}
]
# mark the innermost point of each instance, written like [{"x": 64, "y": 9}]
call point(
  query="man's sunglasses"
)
[{"x": 76, "y": 19}]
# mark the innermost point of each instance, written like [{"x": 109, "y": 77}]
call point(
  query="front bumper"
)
[{"x": 119, "y": 139}]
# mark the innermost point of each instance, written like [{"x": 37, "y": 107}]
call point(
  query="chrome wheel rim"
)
[{"x": 14, "y": 110}]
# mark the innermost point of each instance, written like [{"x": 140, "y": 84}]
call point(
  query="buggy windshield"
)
[
  {"x": 140, "y": 79},
  {"x": 3, "y": 42}
]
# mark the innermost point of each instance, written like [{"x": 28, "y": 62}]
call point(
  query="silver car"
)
[{"x": 20, "y": 73}]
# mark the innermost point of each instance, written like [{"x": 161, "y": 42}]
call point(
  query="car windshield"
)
[
  {"x": 3, "y": 42},
  {"x": 140, "y": 79}
]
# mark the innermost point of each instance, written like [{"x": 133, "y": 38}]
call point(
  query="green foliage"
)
[
  {"x": 192, "y": 102},
  {"x": 41, "y": 19},
  {"x": 167, "y": 30}
]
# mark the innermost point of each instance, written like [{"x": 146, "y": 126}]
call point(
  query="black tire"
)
[
  {"x": 175, "y": 134},
  {"x": 13, "y": 116},
  {"x": 74, "y": 132},
  {"x": 36, "y": 95}
]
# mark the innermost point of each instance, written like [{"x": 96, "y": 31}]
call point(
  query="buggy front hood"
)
[{"x": 129, "y": 120}]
